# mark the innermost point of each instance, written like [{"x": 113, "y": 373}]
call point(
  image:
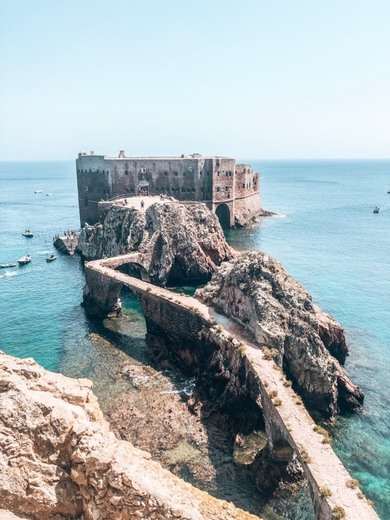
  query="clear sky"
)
[{"x": 245, "y": 78}]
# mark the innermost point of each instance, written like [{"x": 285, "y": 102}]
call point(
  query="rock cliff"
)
[
  {"x": 182, "y": 243},
  {"x": 59, "y": 459},
  {"x": 255, "y": 290}
]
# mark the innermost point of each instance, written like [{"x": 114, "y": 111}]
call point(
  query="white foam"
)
[{"x": 10, "y": 273}]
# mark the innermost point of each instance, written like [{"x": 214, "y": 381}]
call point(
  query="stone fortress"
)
[{"x": 230, "y": 190}]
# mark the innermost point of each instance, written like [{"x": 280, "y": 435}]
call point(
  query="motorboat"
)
[
  {"x": 51, "y": 258},
  {"x": 24, "y": 260},
  {"x": 376, "y": 209},
  {"x": 27, "y": 233},
  {"x": 3, "y": 266},
  {"x": 38, "y": 191}
]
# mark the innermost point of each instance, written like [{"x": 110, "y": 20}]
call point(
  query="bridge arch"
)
[
  {"x": 223, "y": 213},
  {"x": 135, "y": 270}
]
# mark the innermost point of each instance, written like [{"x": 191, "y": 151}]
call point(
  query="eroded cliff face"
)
[
  {"x": 181, "y": 243},
  {"x": 59, "y": 459},
  {"x": 257, "y": 292}
]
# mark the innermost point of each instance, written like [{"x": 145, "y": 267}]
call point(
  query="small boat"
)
[
  {"x": 51, "y": 258},
  {"x": 24, "y": 260},
  {"x": 48, "y": 194},
  {"x": 38, "y": 191},
  {"x": 3, "y": 266},
  {"x": 376, "y": 209},
  {"x": 27, "y": 233}
]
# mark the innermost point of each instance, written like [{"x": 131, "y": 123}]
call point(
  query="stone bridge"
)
[{"x": 192, "y": 332}]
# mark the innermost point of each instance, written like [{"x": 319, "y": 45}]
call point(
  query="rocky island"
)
[{"x": 254, "y": 341}]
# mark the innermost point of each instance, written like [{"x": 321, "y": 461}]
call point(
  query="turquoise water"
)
[{"x": 327, "y": 237}]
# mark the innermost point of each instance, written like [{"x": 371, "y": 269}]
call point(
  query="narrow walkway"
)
[{"x": 325, "y": 467}]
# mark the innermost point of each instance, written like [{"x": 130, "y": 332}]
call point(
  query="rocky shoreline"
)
[
  {"x": 59, "y": 459},
  {"x": 176, "y": 243}
]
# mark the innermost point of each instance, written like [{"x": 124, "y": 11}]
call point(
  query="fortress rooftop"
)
[{"x": 122, "y": 155}]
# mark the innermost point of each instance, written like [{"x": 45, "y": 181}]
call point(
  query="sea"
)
[{"x": 324, "y": 233}]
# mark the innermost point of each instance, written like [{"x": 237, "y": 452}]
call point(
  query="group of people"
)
[{"x": 71, "y": 234}]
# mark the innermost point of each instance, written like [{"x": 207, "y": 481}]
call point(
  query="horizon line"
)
[{"x": 239, "y": 158}]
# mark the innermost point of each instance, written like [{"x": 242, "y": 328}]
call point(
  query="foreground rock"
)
[
  {"x": 258, "y": 293},
  {"x": 181, "y": 242},
  {"x": 60, "y": 460}
]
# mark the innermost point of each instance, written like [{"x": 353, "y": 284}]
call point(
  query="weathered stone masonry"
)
[{"x": 230, "y": 190}]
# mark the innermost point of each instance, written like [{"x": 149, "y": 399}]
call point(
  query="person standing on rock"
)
[{"x": 142, "y": 204}]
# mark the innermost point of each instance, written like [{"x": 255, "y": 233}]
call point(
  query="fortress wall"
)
[
  {"x": 94, "y": 183},
  {"x": 247, "y": 192},
  {"x": 246, "y": 208},
  {"x": 223, "y": 180},
  {"x": 213, "y": 180}
]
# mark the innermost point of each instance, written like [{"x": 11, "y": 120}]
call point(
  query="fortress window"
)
[
  {"x": 176, "y": 173},
  {"x": 90, "y": 171},
  {"x": 183, "y": 189},
  {"x": 126, "y": 172},
  {"x": 243, "y": 185},
  {"x": 218, "y": 173},
  {"x": 143, "y": 170},
  {"x": 165, "y": 173},
  {"x": 86, "y": 188},
  {"x": 217, "y": 188},
  {"x": 97, "y": 171}
]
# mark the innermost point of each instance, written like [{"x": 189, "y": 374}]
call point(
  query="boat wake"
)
[{"x": 8, "y": 274}]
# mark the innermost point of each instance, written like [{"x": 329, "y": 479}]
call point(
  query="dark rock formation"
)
[
  {"x": 257, "y": 292},
  {"x": 182, "y": 243}
]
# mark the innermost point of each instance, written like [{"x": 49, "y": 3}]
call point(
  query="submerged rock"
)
[
  {"x": 59, "y": 459},
  {"x": 255, "y": 290},
  {"x": 182, "y": 243}
]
